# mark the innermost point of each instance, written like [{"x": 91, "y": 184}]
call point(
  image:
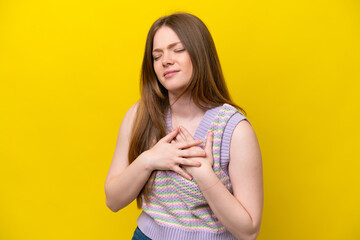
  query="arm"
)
[
  {"x": 124, "y": 182},
  {"x": 239, "y": 213},
  {"x": 135, "y": 176}
]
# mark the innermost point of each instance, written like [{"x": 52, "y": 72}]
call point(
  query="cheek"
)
[
  {"x": 157, "y": 70},
  {"x": 190, "y": 69},
  {"x": 189, "y": 66}
]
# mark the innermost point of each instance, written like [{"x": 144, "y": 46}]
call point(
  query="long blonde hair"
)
[{"x": 207, "y": 85}]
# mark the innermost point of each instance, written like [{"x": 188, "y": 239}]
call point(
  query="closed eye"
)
[
  {"x": 177, "y": 50},
  {"x": 156, "y": 57}
]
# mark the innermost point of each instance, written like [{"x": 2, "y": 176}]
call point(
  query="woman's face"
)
[{"x": 172, "y": 63}]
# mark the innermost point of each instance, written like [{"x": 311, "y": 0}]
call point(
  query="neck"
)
[{"x": 184, "y": 107}]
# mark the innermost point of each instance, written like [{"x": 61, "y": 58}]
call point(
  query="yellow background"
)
[{"x": 69, "y": 70}]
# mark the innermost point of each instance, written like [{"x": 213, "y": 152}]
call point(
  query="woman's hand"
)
[
  {"x": 206, "y": 160},
  {"x": 168, "y": 155}
]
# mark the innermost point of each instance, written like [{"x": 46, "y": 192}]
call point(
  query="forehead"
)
[{"x": 164, "y": 36}]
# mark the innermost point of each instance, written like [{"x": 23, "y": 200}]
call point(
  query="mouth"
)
[{"x": 170, "y": 73}]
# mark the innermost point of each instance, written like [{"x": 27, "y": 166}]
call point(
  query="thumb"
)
[
  {"x": 170, "y": 136},
  {"x": 209, "y": 143}
]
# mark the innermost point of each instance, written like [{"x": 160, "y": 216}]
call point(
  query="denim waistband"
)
[{"x": 139, "y": 235}]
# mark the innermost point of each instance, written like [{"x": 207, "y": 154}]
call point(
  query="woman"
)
[{"x": 183, "y": 150}]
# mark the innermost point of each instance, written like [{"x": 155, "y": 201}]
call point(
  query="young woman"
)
[{"x": 183, "y": 150}]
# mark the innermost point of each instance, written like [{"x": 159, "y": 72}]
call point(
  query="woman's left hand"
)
[{"x": 206, "y": 162}]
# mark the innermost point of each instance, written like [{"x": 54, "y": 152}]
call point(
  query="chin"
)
[
  {"x": 174, "y": 86},
  {"x": 175, "y": 91}
]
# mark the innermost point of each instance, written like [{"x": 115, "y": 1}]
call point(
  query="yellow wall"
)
[{"x": 70, "y": 69}]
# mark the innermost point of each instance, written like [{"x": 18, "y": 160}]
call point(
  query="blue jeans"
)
[{"x": 139, "y": 235}]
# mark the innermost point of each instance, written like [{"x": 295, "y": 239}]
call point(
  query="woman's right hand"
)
[{"x": 165, "y": 155}]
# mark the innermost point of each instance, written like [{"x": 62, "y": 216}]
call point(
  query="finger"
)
[
  {"x": 188, "y": 162},
  {"x": 189, "y": 152},
  {"x": 170, "y": 136},
  {"x": 178, "y": 138},
  {"x": 183, "y": 145},
  {"x": 186, "y": 133},
  {"x": 181, "y": 134},
  {"x": 209, "y": 143},
  {"x": 186, "y": 172},
  {"x": 181, "y": 171}
]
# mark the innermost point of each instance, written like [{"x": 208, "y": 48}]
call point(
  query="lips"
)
[{"x": 170, "y": 73}]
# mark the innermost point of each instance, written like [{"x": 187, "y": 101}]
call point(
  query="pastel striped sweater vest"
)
[{"x": 177, "y": 209}]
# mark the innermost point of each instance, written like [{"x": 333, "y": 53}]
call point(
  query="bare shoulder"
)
[
  {"x": 128, "y": 120},
  {"x": 131, "y": 113},
  {"x": 133, "y": 108},
  {"x": 243, "y": 131},
  {"x": 244, "y": 140},
  {"x": 120, "y": 156},
  {"x": 127, "y": 123}
]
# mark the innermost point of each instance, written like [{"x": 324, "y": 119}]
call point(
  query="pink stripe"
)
[
  {"x": 188, "y": 212},
  {"x": 175, "y": 190},
  {"x": 191, "y": 228},
  {"x": 176, "y": 205},
  {"x": 222, "y": 124},
  {"x": 190, "y": 201},
  {"x": 194, "y": 221}
]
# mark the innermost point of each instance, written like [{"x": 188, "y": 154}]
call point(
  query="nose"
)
[{"x": 167, "y": 59}]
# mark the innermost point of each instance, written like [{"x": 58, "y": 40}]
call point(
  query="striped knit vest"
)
[{"x": 177, "y": 209}]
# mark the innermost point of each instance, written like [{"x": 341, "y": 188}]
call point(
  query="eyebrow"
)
[{"x": 169, "y": 46}]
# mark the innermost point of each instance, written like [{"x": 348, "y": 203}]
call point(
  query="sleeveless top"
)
[{"x": 177, "y": 209}]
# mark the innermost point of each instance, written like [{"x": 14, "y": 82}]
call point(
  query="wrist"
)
[
  {"x": 210, "y": 186},
  {"x": 205, "y": 177},
  {"x": 145, "y": 162}
]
